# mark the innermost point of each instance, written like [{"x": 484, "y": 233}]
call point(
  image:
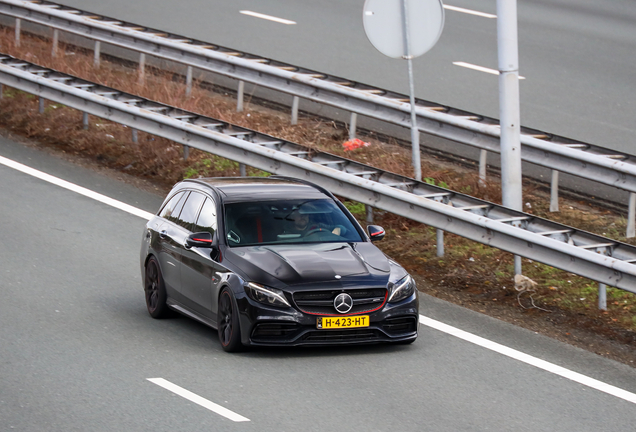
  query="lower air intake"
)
[
  {"x": 400, "y": 325},
  {"x": 341, "y": 335}
]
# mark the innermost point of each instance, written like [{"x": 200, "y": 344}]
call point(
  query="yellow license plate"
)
[{"x": 342, "y": 322}]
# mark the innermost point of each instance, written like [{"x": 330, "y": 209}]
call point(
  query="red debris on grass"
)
[{"x": 354, "y": 144}]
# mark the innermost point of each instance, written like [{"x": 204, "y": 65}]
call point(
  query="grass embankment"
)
[{"x": 470, "y": 273}]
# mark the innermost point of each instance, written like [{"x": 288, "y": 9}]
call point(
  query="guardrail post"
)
[
  {"x": 440, "y": 243},
  {"x": 41, "y": 105},
  {"x": 353, "y": 123},
  {"x": 483, "y": 162},
  {"x": 134, "y": 135},
  {"x": 243, "y": 170},
  {"x": 517, "y": 265},
  {"x": 602, "y": 296},
  {"x": 294, "y": 113},
  {"x": 18, "y": 24},
  {"x": 85, "y": 121},
  {"x": 56, "y": 40},
  {"x": 239, "y": 96},
  {"x": 369, "y": 211},
  {"x": 631, "y": 216},
  {"x": 554, "y": 192},
  {"x": 142, "y": 67},
  {"x": 189, "y": 81},
  {"x": 186, "y": 152},
  {"x": 96, "y": 53}
]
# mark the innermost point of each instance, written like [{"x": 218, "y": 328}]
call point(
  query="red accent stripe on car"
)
[{"x": 259, "y": 230}]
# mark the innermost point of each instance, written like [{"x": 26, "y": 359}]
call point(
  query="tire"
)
[
  {"x": 228, "y": 328},
  {"x": 155, "y": 291}
]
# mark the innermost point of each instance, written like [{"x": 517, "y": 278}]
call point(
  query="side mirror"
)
[
  {"x": 376, "y": 233},
  {"x": 201, "y": 239}
]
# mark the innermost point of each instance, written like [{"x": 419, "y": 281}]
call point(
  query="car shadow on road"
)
[
  {"x": 323, "y": 351},
  {"x": 191, "y": 332}
]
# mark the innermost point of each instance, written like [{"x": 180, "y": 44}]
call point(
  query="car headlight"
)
[
  {"x": 402, "y": 289},
  {"x": 266, "y": 295}
]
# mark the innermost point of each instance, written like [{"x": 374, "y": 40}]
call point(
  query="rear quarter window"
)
[
  {"x": 190, "y": 210},
  {"x": 172, "y": 208}
]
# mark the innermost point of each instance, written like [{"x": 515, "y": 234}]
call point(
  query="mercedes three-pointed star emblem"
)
[{"x": 343, "y": 303}]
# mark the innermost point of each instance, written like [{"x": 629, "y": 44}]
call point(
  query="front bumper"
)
[{"x": 263, "y": 326}]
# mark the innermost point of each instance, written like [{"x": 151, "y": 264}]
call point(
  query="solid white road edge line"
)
[
  {"x": 267, "y": 17},
  {"x": 453, "y": 331},
  {"x": 480, "y": 68},
  {"x": 470, "y": 12},
  {"x": 75, "y": 188},
  {"x": 192, "y": 397},
  {"x": 528, "y": 359}
]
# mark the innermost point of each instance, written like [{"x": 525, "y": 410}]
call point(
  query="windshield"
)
[{"x": 287, "y": 221}]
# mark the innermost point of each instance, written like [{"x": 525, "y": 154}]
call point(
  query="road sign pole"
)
[
  {"x": 510, "y": 118},
  {"x": 415, "y": 133},
  {"x": 387, "y": 25},
  {"x": 509, "y": 104}
]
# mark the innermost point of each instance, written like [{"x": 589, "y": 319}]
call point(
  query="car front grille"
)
[
  {"x": 400, "y": 325},
  {"x": 321, "y": 302}
]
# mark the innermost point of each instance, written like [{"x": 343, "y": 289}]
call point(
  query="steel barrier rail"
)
[
  {"x": 551, "y": 151},
  {"x": 583, "y": 253}
]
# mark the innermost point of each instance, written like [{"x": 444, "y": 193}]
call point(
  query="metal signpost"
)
[
  {"x": 509, "y": 103},
  {"x": 510, "y": 119},
  {"x": 405, "y": 29}
]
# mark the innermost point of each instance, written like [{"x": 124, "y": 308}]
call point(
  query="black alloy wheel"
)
[
  {"x": 155, "y": 291},
  {"x": 229, "y": 330}
]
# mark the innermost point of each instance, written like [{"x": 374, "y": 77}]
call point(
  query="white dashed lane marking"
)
[
  {"x": 268, "y": 17},
  {"x": 469, "y": 11},
  {"x": 192, "y": 397},
  {"x": 480, "y": 68}
]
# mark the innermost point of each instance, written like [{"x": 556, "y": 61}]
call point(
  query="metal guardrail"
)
[
  {"x": 558, "y": 153},
  {"x": 589, "y": 255}
]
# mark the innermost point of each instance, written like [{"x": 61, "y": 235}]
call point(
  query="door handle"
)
[{"x": 163, "y": 234}]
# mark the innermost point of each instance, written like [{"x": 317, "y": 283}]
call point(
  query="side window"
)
[
  {"x": 179, "y": 207},
  {"x": 172, "y": 208},
  {"x": 207, "y": 218},
  {"x": 190, "y": 210}
]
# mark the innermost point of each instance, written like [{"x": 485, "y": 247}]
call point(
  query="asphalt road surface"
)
[
  {"x": 577, "y": 55},
  {"x": 77, "y": 347}
]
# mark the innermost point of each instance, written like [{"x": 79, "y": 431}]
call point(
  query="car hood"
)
[{"x": 310, "y": 263}]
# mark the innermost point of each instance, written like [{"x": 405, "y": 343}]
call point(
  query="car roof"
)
[{"x": 237, "y": 189}]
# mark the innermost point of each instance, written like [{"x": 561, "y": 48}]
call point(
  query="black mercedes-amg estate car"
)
[{"x": 273, "y": 261}]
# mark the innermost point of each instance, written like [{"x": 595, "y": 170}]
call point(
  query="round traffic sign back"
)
[{"x": 384, "y": 25}]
